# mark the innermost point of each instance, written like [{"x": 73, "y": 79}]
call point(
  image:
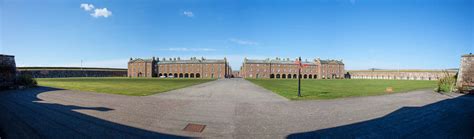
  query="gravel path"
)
[{"x": 232, "y": 108}]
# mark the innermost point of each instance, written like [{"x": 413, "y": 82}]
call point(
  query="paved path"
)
[{"x": 232, "y": 108}]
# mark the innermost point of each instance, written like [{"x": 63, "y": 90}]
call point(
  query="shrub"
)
[
  {"x": 26, "y": 80},
  {"x": 447, "y": 83}
]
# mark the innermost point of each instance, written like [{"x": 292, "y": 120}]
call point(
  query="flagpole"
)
[{"x": 299, "y": 77}]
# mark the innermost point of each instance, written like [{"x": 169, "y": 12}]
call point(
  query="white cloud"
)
[
  {"x": 87, "y": 7},
  {"x": 97, "y": 12},
  {"x": 101, "y": 12},
  {"x": 188, "y": 13},
  {"x": 188, "y": 49},
  {"x": 242, "y": 42}
]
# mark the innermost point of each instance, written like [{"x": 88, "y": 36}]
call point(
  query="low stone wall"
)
[
  {"x": 400, "y": 75},
  {"x": 7, "y": 71},
  {"x": 62, "y": 73},
  {"x": 466, "y": 71}
]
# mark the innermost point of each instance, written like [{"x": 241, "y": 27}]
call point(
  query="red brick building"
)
[
  {"x": 178, "y": 68},
  {"x": 287, "y": 69}
]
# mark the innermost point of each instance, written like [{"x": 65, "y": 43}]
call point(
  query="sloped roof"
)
[
  {"x": 139, "y": 59},
  {"x": 331, "y": 61},
  {"x": 275, "y": 61},
  {"x": 194, "y": 61}
]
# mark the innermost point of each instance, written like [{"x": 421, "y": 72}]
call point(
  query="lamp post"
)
[{"x": 299, "y": 77}]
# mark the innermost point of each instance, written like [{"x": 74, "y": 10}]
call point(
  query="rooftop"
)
[
  {"x": 179, "y": 60},
  {"x": 288, "y": 61},
  {"x": 6, "y": 55}
]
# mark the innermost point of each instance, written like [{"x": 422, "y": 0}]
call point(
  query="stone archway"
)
[
  {"x": 294, "y": 76},
  {"x": 198, "y": 75},
  {"x": 191, "y": 75},
  {"x": 181, "y": 75},
  {"x": 278, "y": 76},
  {"x": 272, "y": 76},
  {"x": 289, "y": 76},
  {"x": 305, "y": 76},
  {"x": 283, "y": 76},
  {"x": 186, "y": 75}
]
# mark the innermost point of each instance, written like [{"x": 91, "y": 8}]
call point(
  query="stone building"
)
[
  {"x": 466, "y": 71},
  {"x": 7, "y": 70},
  {"x": 288, "y": 69},
  {"x": 179, "y": 68},
  {"x": 401, "y": 74},
  {"x": 142, "y": 67}
]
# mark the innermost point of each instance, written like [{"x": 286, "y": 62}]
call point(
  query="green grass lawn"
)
[
  {"x": 124, "y": 86},
  {"x": 330, "y": 89}
]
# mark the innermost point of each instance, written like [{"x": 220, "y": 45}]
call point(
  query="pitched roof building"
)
[
  {"x": 179, "y": 68},
  {"x": 284, "y": 68}
]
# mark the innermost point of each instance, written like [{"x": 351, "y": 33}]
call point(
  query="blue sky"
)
[{"x": 389, "y": 34}]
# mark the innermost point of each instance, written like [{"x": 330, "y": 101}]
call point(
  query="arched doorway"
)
[
  {"x": 278, "y": 76},
  {"x": 186, "y": 75},
  {"x": 310, "y": 76},
  {"x": 315, "y": 76},
  {"x": 198, "y": 75},
  {"x": 294, "y": 76},
  {"x": 175, "y": 75},
  {"x": 305, "y": 76},
  {"x": 289, "y": 76},
  {"x": 283, "y": 76},
  {"x": 272, "y": 76},
  {"x": 159, "y": 75},
  {"x": 192, "y": 75},
  {"x": 181, "y": 75}
]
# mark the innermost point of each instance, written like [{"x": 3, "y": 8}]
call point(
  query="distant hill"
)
[
  {"x": 68, "y": 68},
  {"x": 404, "y": 70}
]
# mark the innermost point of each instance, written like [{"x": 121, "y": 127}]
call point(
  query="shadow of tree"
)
[
  {"x": 450, "y": 118},
  {"x": 24, "y": 116}
]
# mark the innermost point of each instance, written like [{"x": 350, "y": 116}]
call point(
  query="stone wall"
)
[
  {"x": 401, "y": 74},
  {"x": 7, "y": 70},
  {"x": 61, "y": 73},
  {"x": 466, "y": 71}
]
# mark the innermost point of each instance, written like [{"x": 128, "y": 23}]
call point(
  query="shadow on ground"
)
[
  {"x": 450, "y": 118},
  {"x": 25, "y": 116}
]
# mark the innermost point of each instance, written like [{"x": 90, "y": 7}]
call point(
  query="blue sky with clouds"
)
[{"x": 409, "y": 34}]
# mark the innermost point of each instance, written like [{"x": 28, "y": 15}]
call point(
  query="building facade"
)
[
  {"x": 178, "y": 68},
  {"x": 401, "y": 74},
  {"x": 466, "y": 71},
  {"x": 7, "y": 71},
  {"x": 288, "y": 69}
]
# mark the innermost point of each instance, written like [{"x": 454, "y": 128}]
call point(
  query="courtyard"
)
[{"x": 232, "y": 108}]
